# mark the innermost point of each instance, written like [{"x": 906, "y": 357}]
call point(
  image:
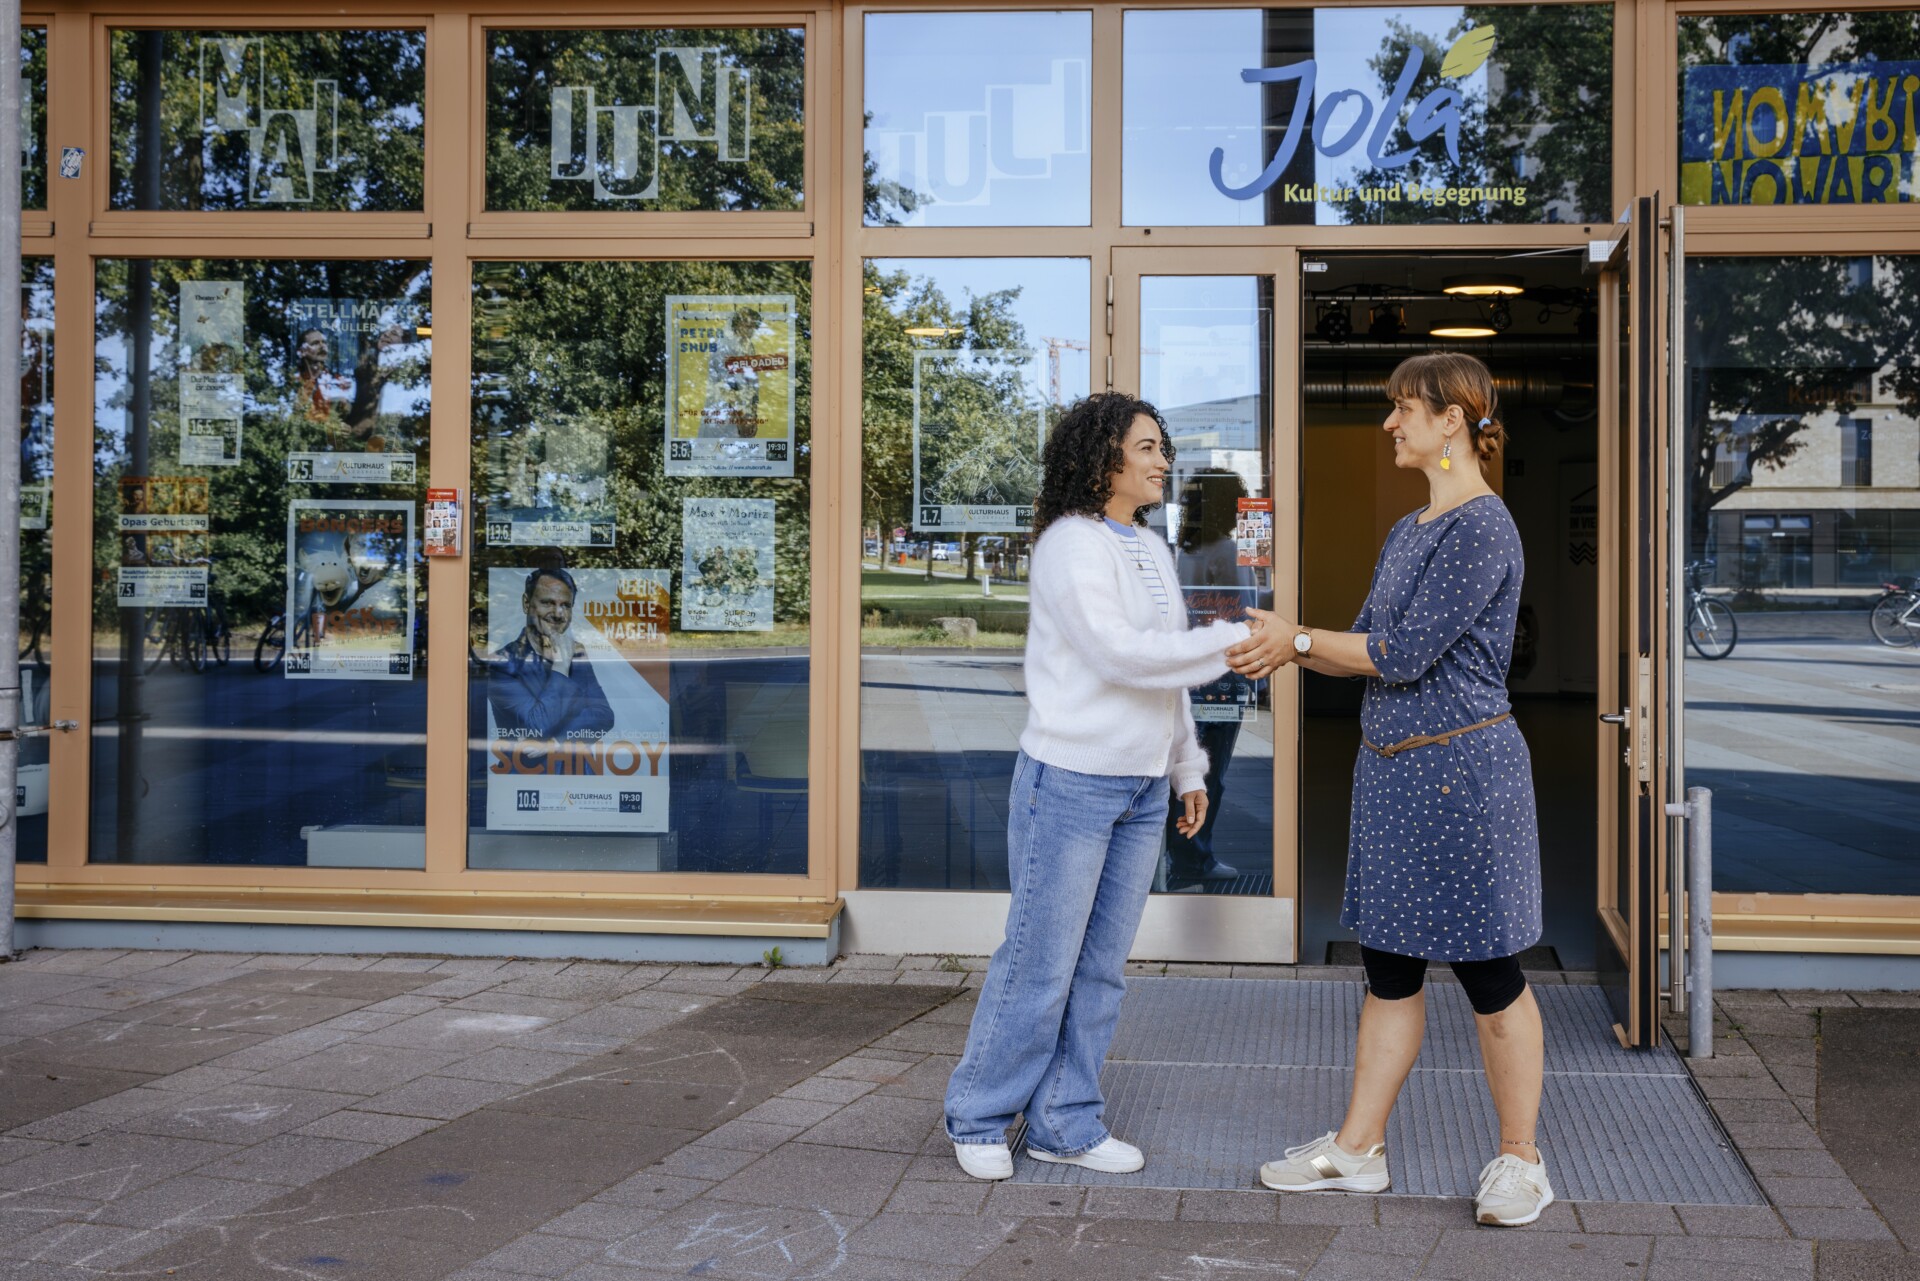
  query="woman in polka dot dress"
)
[{"x": 1444, "y": 859}]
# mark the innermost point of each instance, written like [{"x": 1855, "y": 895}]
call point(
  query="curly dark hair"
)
[{"x": 1085, "y": 449}]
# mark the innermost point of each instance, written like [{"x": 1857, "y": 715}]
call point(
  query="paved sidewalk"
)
[{"x": 215, "y": 1116}]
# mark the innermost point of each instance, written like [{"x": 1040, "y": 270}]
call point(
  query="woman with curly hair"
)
[{"x": 1109, "y": 660}]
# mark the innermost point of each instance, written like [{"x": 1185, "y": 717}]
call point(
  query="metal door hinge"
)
[
  {"x": 1109, "y": 373},
  {"x": 1109, "y": 314}
]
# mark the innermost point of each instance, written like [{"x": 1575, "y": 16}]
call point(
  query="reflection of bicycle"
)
[
  {"x": 1896, "y": 616},
  {"x": 272, "y": 645},
  {"x": 190, "y": 636},
  {"x": 1710, "y": 626}
]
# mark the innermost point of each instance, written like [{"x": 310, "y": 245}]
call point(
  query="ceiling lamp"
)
[
  {"x": 1334, "y": 325},
  {"x": 1462, "y": 327},
  {"x": 1483, "y": 285},
  {"x": 1387, "y": 321},
  {"x": 933, "y": 331}
]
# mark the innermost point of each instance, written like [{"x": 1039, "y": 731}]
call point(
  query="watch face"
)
[{"x": 1303, "y": 642}]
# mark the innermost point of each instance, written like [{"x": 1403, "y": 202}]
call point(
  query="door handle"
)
[{"x": 1615, "y": 718}]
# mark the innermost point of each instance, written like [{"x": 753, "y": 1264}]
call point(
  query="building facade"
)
[{"x": 529, "y": 480}]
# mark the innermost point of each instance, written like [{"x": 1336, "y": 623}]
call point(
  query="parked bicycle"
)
[
  {"x": 1711, "y": 628},
  {"x": 1896, "y": 616}
]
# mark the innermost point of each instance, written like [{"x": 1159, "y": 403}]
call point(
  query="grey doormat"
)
[{"x": 1214, "y": 1076}]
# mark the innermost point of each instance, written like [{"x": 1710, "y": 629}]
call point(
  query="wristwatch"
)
[{"x": 1303, "y": 641}]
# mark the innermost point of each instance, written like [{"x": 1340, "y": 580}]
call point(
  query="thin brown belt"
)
[{"x": 1423, "y": 740}]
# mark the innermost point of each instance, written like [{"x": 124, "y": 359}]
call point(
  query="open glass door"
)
[
  {"x": 1630, "y": 528},
  {"x": 1196, "y": 333}
]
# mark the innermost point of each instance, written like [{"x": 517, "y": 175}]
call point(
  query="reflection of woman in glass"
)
[
  {"x": 1444, "y": 861},
  {"x": 315, "y": 353},
  {"x": 1216, "y": 586},
  {"x": 1109, "y": 661}
]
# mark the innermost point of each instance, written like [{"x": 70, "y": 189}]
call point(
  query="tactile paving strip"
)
[{"x": 1213, "y": 1076}]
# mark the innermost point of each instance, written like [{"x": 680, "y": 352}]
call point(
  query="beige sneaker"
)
[
  {"x": 1512, "y": 1192},
  {"x": 1323, "y": 1166}
]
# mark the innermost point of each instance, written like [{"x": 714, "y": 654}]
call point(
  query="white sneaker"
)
[
  {"x": 985, "y": 1160},
  {"x": 1110, "y": 1157},
  {"x": 1324, "y": 1166},
  {"x": 1512, "y": 1192}
]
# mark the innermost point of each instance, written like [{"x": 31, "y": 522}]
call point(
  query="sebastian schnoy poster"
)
[{"x": 577, "y": 699}]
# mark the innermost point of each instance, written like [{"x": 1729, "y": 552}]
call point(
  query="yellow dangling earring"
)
[{"x": 1446, "y": 456}]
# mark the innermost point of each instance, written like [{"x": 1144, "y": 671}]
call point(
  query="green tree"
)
[{"x": 1545, "y": 113}]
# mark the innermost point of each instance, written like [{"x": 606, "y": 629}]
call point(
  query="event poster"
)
[
  {"x": 727, "y": 565},
  {"x": 442, "y": 535},
  {"x": 1229, "y": 697},
  {"x": 343, "y": 467},
  {"x": 1253, "y": 533},
  {"x": 730, "y": 388},
  {"x": 338, "y": 344},
  {"x": 978, "y": 426},
  {"x": 546, "y": 527},
  {"x": 350, "y": 589},
  {"x": 212, "y": 389},
  {"x": 34, "y": 501},
  {"x": 164, "y": 548},
  {"x": 1799, "y": 134},
  {"x": 577, "y": 688}
]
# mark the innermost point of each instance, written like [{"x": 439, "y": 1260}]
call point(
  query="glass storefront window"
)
[
  {"x": 1206, "y": 362},
  {"x": 33, "y": 122},
  {"x": 968, "y": 363},
  {"x": 1365, "y": 116},
  {"x": 1799, "y": 108},
  {"x": 979, "y": 119},
  {"x": 259, "y": 607},
  {"x": 1802, "y": 723},
  {"x": 319, "y": 121},
  {"x": 640, "y": 625},
  {"x": 36, "y": 551},
  {"x": 646, "y": 119}
]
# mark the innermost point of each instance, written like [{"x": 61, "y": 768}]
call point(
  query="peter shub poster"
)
[
  {"x": 339, "y": 383},
  {"x": 978, "y": 425},
  {"x": 727, "y": 570},
  {"x": 577, "y": 699},
  {"x": 350, "y": 578},
  {"x": 212, "y": 392},
  {"x": 164, "y": 531},
  {"x": 730, "y": 392}
]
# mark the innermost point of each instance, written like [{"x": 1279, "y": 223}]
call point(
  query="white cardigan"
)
[{"x": 1107, "y": 673}]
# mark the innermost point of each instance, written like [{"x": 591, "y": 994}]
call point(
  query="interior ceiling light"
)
[
  {"x": 1334, "y": 325},
  {"x": 1499, "y": 315},
  {"x": 1462, "y": 327},
  {"x": 933, "y": 331},
  {"x": 1387, "y": 320},
  {"x": 1484, "y": 284}
]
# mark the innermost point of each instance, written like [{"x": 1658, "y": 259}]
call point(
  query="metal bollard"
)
[{"x": 1698, "y": 813}]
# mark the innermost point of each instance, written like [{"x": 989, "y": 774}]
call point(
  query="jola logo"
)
[{"x": 1437, "y": 112}]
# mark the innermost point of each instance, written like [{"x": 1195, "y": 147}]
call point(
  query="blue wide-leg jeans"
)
[{"x": 1081, "y": 854}]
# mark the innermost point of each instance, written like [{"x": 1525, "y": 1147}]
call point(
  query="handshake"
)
[{"x": 1269, "y": 648}]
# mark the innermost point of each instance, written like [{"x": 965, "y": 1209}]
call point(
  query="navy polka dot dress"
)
[{"x": 1444, "y": 859}]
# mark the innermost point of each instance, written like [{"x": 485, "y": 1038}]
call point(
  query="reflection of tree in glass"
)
[
  {"x": 887, "y": 202},
  {"x": 583, "y": 344},
  {"x": 1789, "y": 39},
  {"x": 1546, "y": 106},
  {"x": 248, "y": 501},
  {"x": 979, "y": 431},
  {"x": 1773, "y": 343},
  {"x": 525, "y": 67},
  {"x": 369, "y": 129},
  {"x": 33, "y": 117}
]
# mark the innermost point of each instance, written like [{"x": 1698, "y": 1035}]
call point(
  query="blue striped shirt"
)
[{"x": 1144, "y": 562}]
